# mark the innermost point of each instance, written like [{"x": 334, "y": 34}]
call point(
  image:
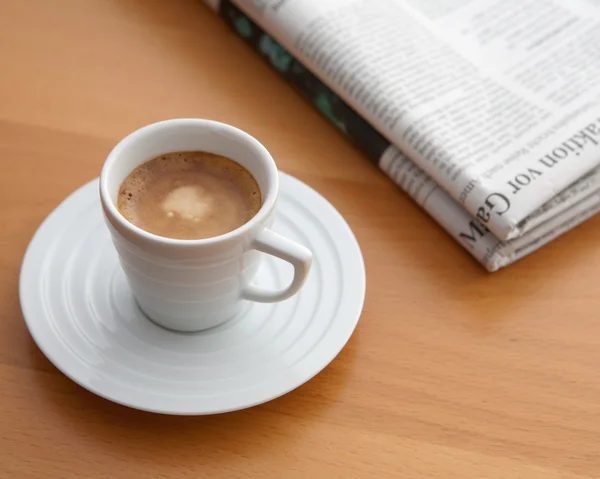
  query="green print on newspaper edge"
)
[
  {"x": 243, "y": 27},
  {"x": 276, "y": 54},
  {"x": 308, "y": 85}
]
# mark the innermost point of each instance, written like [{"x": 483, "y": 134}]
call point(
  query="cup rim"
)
[{"x": 111, "y": 208}]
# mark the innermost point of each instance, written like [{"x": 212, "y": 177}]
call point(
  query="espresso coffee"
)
[{"x": 189, "y": 195}]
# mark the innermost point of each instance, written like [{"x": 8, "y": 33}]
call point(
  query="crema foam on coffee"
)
[{"x": 189, "y": 195}]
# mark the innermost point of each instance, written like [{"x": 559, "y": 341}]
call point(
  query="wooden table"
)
[{"x": 451, "y": 373}]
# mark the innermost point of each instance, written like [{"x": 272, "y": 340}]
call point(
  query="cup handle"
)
[{"x": 297, "y": 255}]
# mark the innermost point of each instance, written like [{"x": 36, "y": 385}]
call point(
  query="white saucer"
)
[{"x": 81, "y": 314}]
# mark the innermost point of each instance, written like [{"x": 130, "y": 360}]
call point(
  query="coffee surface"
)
[{"x": 189, "y": 195}]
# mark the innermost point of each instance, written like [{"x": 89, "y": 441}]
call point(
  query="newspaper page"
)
[
  {"x": 496, "y": 100},
  {"x": 569, "y": 208}
]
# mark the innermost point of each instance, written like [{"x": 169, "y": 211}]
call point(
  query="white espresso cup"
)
[{"x": 191, "y": 285}]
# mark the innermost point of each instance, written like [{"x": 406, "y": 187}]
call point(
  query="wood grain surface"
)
[{"x": 452, "y": 372}]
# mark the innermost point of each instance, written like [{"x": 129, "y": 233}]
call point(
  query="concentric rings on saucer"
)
[{"x": 81, "y": 314}]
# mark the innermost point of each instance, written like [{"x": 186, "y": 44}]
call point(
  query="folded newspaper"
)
[{"x": 486, "y": 112}]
